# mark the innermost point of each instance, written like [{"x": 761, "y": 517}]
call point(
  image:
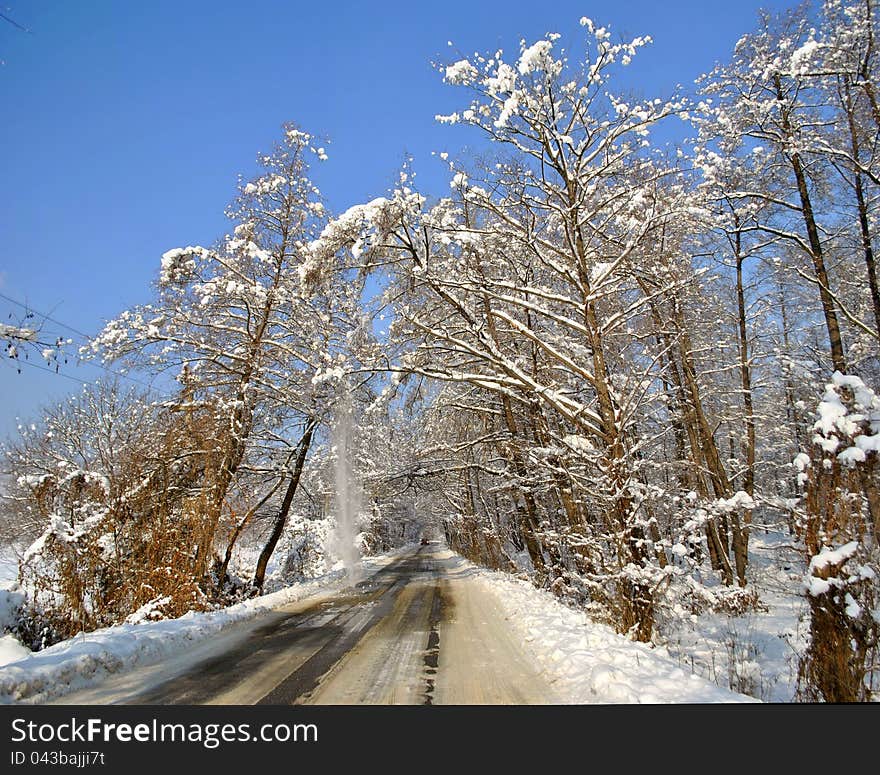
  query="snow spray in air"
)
[{"x": 347, "y": 495}]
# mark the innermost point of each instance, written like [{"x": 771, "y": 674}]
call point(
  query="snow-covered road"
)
[
  {"x": 442, "y": 643},
  {"x": 416, "y": 632},
  {"x": 425, "y": 628}
]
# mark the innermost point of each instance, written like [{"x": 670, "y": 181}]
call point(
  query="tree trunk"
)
[
  {"x": 702, "y": 442},
  {"x": 864, "y": 228},
  {"x": 741, "y": 532},
  {"x": 817, "y": 254},
  {"x": 718, "y": 539},
  {"x": 864, "y": 79},
  {"x": 529, "y": 517},
  {"x": 281, "y": 519},
  {"x": 224, "y": 567}
]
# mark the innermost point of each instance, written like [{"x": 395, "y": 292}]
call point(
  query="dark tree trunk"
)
[
  {"x": 817, "y": 254},
  {"x": 864, "y": 227},
  {"x": 741, "y": 531},
  {"x": 284, "y": 511},
  {"x": 528, "y": 517},
  {"x": 224, "y": 567}
]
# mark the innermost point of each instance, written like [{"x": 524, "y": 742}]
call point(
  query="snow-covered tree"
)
[
  {"x": 525, "y": 283},
  {"x": 253, "y": 335},
  {"x": 102, "y": 484},
  {"x": 837, "y": 469}
]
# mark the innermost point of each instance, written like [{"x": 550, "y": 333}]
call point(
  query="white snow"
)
[
  {"x": 89, "y": 658},
  {"x": 739, "y": 500},
  {"x": 599, "y": 272},
  {"x": 755, "y": 652},
  {"x": 801, "y": 57},
  {"x": 177, "y": 263},
  {"x": 853, "y": 609},
  {"x": 579, "y": 443},
  {"x": 589, "y": 662},
  {"x": 503, "y": 81},
  {"x": 534, "y": 57},
  {"x": 11, "y": 650},
  {"x": 460, "y": 72},
  {"x": 801, "y": 461},
  {"x": 17, "y": 332},
  {"x": 833, "y": 557},
  {"x": 509, "y": 108},
  {"x": 352, "y": 222}
]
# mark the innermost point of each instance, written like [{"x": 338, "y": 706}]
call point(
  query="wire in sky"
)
[
  {"x": 14, "y": 23},
  {"x": 29, "y": 308},
  {"x": 52, "y": 371},
  {"x": 76, "y": 331}
]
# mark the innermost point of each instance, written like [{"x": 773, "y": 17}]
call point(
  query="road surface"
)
[{"x": 419, "y": 631}]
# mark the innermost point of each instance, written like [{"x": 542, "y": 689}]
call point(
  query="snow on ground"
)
[
  {"x": 11, "y": 649},
  {"x": 590, "y": 663},
  {"x": 89, "y": 658},
  {"x": 8, "y": 566},
  {"x": 755, "y": 653},
  {"x": 584, "y": 661}
]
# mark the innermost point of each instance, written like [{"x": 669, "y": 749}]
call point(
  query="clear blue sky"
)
[{"x": 125, "y": 124}]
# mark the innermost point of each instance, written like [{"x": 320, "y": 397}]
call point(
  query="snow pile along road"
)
[
  {"x": 590, "y": 663},
  {"x": 11, "y": 650},
  {"x": 88, "y": 659},
  {"x": 91, "y": 657}
]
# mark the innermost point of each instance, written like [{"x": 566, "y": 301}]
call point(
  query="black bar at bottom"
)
[{"x": 247, "y": 740}]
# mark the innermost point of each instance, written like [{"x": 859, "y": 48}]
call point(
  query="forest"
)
[{"x": 630, "y": 354}]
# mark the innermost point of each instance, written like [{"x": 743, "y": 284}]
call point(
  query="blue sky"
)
[{"x": 125, "y": 124}]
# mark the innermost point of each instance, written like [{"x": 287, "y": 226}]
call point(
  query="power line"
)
[
  {"x": 15, "y": 23},
  {"x": 52, "y": 371},
  {"x": 76, "y": 331},
  {"x": 29, "y": 308}
]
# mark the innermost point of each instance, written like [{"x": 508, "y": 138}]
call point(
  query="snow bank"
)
[
  {"x": 755, "y": 652},
  {"x": 12, "y": 650},
  {"x": 11, "y": 600},
  {"x": 590, "y": 663},
  {"x": 89, "y": 658}
]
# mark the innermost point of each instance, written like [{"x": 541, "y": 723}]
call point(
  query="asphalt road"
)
[{"x": 419, "y": 631}]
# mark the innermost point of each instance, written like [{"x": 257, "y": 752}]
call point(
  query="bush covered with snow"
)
[{"x": 840, "y": 525}]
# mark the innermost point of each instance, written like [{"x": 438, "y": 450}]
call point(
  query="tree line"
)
[{"x": 608, "y": 358}]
